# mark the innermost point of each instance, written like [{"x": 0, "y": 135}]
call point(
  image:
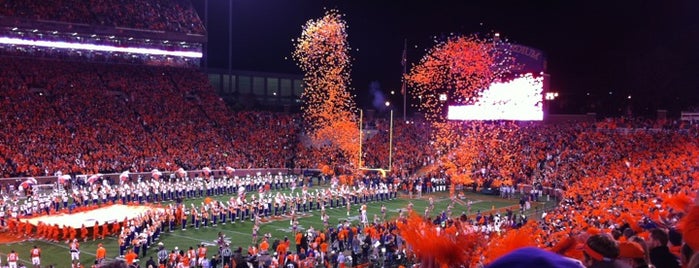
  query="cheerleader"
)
[
  {"x": 383, "y": 212},
  {"x": 364, "y": 218},
  {"x": 325, "y": 218},
  {"x": 255, "y": 230},
  {"x": 294, "y": 223}
]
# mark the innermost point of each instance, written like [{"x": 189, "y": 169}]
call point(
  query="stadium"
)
[{"x": 119, "y": 150}]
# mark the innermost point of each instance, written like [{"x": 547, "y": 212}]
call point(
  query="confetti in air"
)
[
  {"x": 455, "y": 71},
  {"x": 322, "y": 53}
]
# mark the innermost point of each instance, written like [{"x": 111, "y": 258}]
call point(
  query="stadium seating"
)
[
  {"x": 83, "y": 118},
  {"x": 170, "y": 15}
]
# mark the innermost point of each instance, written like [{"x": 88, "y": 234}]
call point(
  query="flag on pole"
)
[
  {"x": 404, "y": 63},
  {"x": 402, "y": 88},
  {"x": 403, "y": 60}
]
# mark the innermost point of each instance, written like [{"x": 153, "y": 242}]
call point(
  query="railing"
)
[
  {"x": 166, "y": 174},
  {"x": 553, "y": 192}
]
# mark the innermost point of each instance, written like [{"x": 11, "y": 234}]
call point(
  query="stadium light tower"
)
[
  {"x": 390, "y": 142},
  {"x": 551, "y": 96}
]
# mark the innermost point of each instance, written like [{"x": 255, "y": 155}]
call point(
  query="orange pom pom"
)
[
  {"x": 681, "y": 202},
  {"x": 565, "y": 245}
]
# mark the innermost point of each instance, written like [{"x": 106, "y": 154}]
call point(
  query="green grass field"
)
[{"x": 240, "y": 232}]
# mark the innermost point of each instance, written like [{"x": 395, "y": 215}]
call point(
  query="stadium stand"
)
[{"x": 170, "y": 15}]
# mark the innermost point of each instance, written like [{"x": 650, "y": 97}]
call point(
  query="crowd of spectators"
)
[
  {"x": 168, "y": 15},
  {"x": 409, "y": 146},
  {"x": 88, "y": 118},
  {"x": 638, "y": 183},
  {"x": 641, "y": 182},
  {"x": 639, "y": 123},
  {"x": 620, "y": 176},
  {"x": 85, "y": 118}
]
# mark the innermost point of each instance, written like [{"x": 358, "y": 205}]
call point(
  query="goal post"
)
[{"x": 383, "y": 171}]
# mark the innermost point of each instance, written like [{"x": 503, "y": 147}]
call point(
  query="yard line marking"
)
[
  {"x": 235, "y": 232},
  {"x": 51, "y": 243},
  {"x": 204, "y": 228},
  {"x": 188, "y": 237}
]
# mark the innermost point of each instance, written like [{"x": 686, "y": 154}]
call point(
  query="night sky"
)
[{"x": 599, "y": 52}]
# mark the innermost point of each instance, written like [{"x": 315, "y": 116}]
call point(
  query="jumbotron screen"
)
[{"x": 518, "y": 99}]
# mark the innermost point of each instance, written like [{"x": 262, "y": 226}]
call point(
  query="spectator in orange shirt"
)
[
  {"x": 83, "y": 233},
  {"x": 323, "y": 249},
  {"x": 281, "y": 251},
  {"x": 105, "y": 230},
  {"x": 130, "y": 257},
  {"x": 298, "y": 241},
  {"x": 65, "y": 233},
  {"x": 264, "y": 246},
  {"x": 95, "y": 231},
  {"x": 101, "y": 253},
  {"x": 28, "y": 230},
  {"x": 73, "y": 233},
  {"x": 54, "y": 234}
]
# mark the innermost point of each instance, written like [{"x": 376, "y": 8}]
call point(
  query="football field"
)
[{"x": 240, "y": 233}]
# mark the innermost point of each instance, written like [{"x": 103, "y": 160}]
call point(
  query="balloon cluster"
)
[
  {"x": 456, "y": 71},
  {"x": 322, "y": 53}
]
